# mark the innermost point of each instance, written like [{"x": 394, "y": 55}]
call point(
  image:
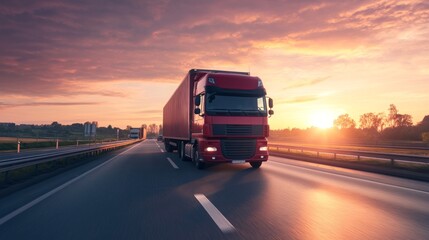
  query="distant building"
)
[{"x": 90, "y": 129}]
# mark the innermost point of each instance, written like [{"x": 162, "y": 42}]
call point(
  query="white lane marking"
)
[
  {"x": 172, "y": 163},
  {"x": 350, "y": 177},
  {"x": 220, "y": 220},
  {"x": 50, "y": 193}
]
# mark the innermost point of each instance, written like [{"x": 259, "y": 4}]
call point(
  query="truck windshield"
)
[{"x": 235, "y": 105}]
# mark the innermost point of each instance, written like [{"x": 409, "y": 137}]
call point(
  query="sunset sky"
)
[{"x": 118, "y": 62}]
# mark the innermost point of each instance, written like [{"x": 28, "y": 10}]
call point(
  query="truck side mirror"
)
[
  {"x": 197, "y": 111},
  {"x": 270, "y": 102},
  {"x": 197, "y": 100},
  {"x": 271, "y": 112}
]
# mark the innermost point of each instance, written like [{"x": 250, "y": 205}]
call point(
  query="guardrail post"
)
[
  {"x": 77, "y": 143},
  {"x": 288, "y": 149},
  {"x": 335, "y": 156},
  {"x": 392, "y": 162},
  {"x": 18, "y": 147},
  {"x": 358, "y": 157},
  {"x": 56, "y": 145}
]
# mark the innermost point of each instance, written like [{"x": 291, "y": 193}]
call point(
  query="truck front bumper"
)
[{"x": 211, "y": 151}]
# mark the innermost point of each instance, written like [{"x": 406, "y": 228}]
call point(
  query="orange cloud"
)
[{"x": 67, "y": 51}]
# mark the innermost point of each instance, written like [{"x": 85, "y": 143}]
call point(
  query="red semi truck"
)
[{"x": 218, "y": 116}]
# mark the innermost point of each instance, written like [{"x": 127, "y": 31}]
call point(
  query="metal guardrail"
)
[
  {"x": 20, "y": 162},
  {"x": 388, "y": 156}
]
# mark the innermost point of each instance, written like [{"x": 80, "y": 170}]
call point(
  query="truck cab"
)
[{"x": 218, "y": 117}]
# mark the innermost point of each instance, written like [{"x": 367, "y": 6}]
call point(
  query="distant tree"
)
[
  {"x": 153, "y": 128},
  {"x": 425, "y": 121},
  {"x": 109, "y": 127},
  {"x": 77, "y": 125},
  {"x": 423, "y": 126},
  {"x": 55, "y": 124},
  {"x": 372, "y": 121},
  {"x": 344, "y": 121},
  {"x": 403, "y": 120},
  {"x": 391, "y": 118},
  {"x": 394, "y": 119}
]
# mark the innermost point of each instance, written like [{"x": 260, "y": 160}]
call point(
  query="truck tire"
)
[
  {"x": 255, "y": 164},
  {"x": 167, "y": 146},
  {"x": 199, "y": 164}
]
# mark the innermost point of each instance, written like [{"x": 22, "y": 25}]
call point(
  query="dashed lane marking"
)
[
  {"x": 220, "y": 220},
  {"x": 172, "y": 163}
]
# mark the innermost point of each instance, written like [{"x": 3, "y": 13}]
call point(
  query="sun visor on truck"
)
[{"x": 259, "y": 92}]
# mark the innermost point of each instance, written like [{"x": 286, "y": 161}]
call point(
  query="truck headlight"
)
[
  {"x": 211, "y": 149},
  {"x": 264, "y": 148}
]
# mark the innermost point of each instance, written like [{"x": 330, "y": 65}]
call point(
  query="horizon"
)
[
  {"x": 331, "y": 126},
  {"x": 119, "y": 63}
]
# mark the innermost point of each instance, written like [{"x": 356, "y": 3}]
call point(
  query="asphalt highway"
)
[{"x": 142, "y": 192}]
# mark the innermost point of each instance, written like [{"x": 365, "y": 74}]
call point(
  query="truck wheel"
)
[
  {"x": 199, "y": 164},
  {"x": 167, "y": 146},
  {"x": 255, "y": 164}
]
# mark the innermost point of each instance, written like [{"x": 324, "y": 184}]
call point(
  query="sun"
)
[{"x": 322, "y": 119}]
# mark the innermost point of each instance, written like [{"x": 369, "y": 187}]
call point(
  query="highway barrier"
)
[
  {"x": 358, "y": 154},
  {"x": 31, "y": 165}
]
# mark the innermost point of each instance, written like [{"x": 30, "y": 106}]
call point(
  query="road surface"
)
[{"x": 142, "y": 192}]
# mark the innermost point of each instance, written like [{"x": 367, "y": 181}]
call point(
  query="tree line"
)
[
  {"x": 375, "y": 121},
  {"x": 370, "y": 127},
  {"x": 390, "y": 126}
]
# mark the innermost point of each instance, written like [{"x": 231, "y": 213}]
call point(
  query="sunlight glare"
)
[{"x": 322, "y": 119}]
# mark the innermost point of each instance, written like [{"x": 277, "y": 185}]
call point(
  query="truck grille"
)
[
  {"x": 238, "y": 149},
  {"x": 237, "y": 130}
]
